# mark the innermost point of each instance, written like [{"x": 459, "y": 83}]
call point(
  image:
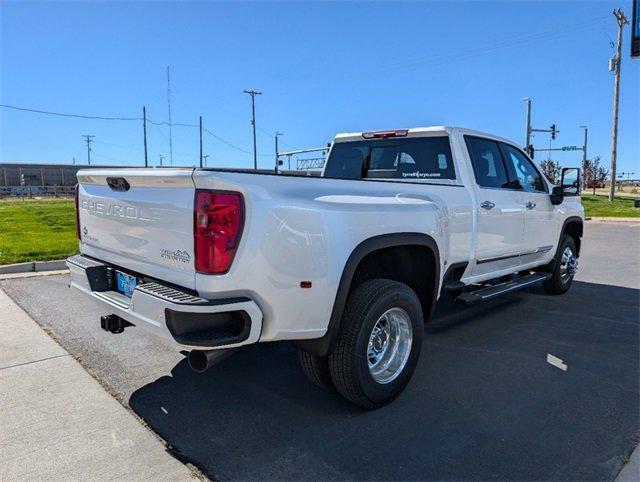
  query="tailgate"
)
[{"x": 141, "y": 220}]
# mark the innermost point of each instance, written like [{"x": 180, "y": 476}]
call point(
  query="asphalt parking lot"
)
[{"x": 483, "y": 403}]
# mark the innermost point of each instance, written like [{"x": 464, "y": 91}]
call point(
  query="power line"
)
[
  {"x": 272, "y": 136},
  {"x": 264, "y": 131},
  {"x": 204, "y": 129},
  {"x": 226, "y": 142},
  {"x": 62, "y": 114},
  {"x": 149, "y": 120},
  {"x": 468, "y": 53}
]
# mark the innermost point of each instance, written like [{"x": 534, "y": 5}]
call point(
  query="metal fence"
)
[
  {"x": 39, "y": 180},
  {"x": 36, "y": 191},
  {"x": 303, "y": 161}
]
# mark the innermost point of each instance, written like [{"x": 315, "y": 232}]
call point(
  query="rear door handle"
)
[
  {"x": 530, "y": 205},
  {"x": 487, "y": 205}
]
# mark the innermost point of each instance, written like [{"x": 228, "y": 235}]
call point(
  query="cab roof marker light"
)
[{"x": 385, "y": 134}]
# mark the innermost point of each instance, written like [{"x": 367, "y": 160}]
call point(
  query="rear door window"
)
[
  {"x": 487, "y": 162},
  {"x": 410, "y": 159}
]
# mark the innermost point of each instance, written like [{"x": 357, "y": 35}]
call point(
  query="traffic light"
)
[{"x": 553, "y": 132}]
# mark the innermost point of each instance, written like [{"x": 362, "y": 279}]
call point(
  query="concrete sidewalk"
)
[
  {"x": 57, "y": 422},
  {"x": 631, "y": 471}
]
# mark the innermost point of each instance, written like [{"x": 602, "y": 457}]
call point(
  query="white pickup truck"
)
[{"x": 347, "y": 265}]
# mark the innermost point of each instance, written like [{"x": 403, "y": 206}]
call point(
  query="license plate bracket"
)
[{"x": 125, "y": 283}]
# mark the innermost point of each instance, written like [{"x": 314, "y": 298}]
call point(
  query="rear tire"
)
[
  {"x": 316, "y": 369},
  {"x": 378, "y": 343},
  {"x": 564, "y": 267}
]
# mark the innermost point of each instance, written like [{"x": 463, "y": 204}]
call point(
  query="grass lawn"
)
[
  {"x": 600, "y": 206},
  {"x": 42, "y": 230},
  {"x": 37, "y": 230}
]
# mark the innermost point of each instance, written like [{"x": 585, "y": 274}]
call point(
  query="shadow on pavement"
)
[{"x": 483, "y": 403}]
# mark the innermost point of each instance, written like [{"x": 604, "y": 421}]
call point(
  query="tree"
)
[
  {"x": 594, "y": 173},
  {"x": 551, "y": 169}
]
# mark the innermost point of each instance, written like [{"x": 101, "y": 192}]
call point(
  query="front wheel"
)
[
  {"x": 564, "y": 267},
  {"x": 378, "y": 343}
]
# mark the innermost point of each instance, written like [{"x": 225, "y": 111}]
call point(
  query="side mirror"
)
[
  {"x": 556, "y": 195},
  {"x": 570, "y": 181},
  {"x": 569, "y": 185}
]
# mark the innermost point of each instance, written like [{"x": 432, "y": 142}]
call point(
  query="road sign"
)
[{"x": 570, "y": 148}]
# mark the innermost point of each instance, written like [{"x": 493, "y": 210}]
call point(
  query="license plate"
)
[{"x": 125, "y": 283}]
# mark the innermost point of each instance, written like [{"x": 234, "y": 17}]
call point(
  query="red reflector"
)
[
  {"x": 217, "y": 226},
  {"x": 77, "y": 200},
  {"x": 385, "y": 134}
]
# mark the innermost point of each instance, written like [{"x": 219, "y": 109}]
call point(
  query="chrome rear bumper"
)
[{"x": 190, "y": 321}]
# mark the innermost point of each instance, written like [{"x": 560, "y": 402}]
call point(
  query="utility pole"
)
[
  {"x": 278, "y": 134},
  {"x": 584, "y": 154},
  {"x": 169, "y": 105},
  {"x": 88, "y": 138},
  {"x": 144, "y": 128},
  {"x": 205, "y": 157},
  {"x": 253, "y": 94},
  {"x": 622, "y": 21},
  {"x": 200, "y": 141}
]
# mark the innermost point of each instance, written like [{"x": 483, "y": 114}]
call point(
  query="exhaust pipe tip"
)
[
  {"x": 201, "y": 360},
  {"x": 198, "y": 361}
]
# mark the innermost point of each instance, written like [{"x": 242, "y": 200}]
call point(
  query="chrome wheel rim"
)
[
  {"x": 568, "y": 265},
  {"x": 389, "y": 345}
]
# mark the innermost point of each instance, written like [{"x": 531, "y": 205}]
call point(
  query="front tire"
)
[
  {"x": 378, "y": 343},
  {"x": 564, "y": 267}
]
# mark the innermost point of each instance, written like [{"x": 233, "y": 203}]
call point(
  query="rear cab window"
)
[{"x": 406, "y": 159}]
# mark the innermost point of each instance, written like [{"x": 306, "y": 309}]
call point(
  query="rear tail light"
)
[
  {"x": 218, "y": 222},
  {"x": 76, "y": 196}
]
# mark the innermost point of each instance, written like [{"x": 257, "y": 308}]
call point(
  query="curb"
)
[
  {"x": 33, "y": 266},
  {"x": 612, "y": 219}
]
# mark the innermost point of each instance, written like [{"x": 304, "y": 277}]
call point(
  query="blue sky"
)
[{"x": 323, "y": 68}]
